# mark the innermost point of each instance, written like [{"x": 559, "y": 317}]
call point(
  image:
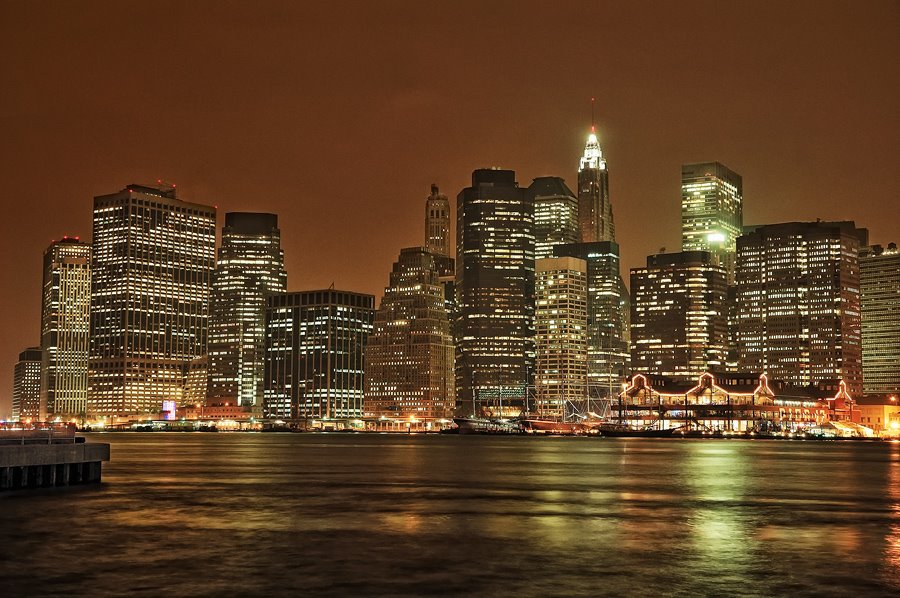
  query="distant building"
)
[
  {"x": 315, "y": 348},
  {"x": 437, "y": 223},
  {"x": 65, "y": 329},
  {"x": 153, "y": 258},
  {"x": 250, "y": 268},
  {"x": 561, "y": 318},
  {"x": 678, "y": 315},
  {"x": 409, "y": 356},
  {"x": 798, "y": 302},
  {"x": 712, "y": 212},
  {"x": 495, "y": 287},
  {"x": 881, "y": 413},
  {"x": 26, "y": 396},
  {"x": 879, "y": 282},
  {"x": 594, "y": 207},
  {"x": 607, "y": 326},
  {"x": 555, "y": 215}
]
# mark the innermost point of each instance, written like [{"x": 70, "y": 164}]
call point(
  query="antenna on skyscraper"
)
[{"x": 592, "y": 116}]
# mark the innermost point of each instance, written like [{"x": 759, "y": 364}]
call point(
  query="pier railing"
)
[{"x": 40, "y": 433}]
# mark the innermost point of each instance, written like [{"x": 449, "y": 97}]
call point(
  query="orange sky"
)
[{"x": 339, "y": 117}]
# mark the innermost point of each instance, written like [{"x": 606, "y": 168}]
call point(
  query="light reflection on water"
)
[{"x": 258, "y": 514}]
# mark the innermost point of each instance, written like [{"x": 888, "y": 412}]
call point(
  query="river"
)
[{"x": 246, "y": 514}]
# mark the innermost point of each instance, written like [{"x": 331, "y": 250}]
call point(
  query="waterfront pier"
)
[{"x": 46, "y": 457}]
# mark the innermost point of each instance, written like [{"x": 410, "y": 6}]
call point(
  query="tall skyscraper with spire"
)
[
  {"x": 607, "y": 297},
  {"x": 594, "y": 209}
]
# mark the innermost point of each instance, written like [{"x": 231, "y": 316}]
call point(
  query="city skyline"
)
[{"x": 800, "y": 161}]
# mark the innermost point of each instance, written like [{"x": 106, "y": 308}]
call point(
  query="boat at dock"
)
[{"x": 485, "y": 425}]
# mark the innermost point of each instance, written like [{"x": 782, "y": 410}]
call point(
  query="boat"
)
[
  {"x": 612, "y": 430},
  {"x": 484, "y": 425},
  {"x": 537, "y": 425}
]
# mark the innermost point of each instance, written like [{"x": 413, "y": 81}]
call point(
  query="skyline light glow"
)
[{"x": 340, "y": 128}]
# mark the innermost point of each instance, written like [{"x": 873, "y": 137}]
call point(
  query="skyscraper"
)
[
  {"x": 437, "y": 223},
  {"x": 250, "y": 268},
  {"x": 409, "y": 356},
  {"x": 608, "y": 302},
  {"x": 315, "y": 349},
  {"x": 153, "y": 258},
  {"x": 594, "y": 208},
  {"x": 798, "y": 306},
  {"x": 679, "y": 319},
  {"x": 712, "y": 213},
  {"x": 65, "y": 329},
  {"x": 879, "y": 282},
  {"x": 495, "y": 286},
  {"x": 555, "y": 215},
  {"x": 561, "y": 317},
  {"x": 26, "y": 396}
]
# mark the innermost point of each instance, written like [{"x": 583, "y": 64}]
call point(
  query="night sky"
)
[{"x": 338, "y": 116}]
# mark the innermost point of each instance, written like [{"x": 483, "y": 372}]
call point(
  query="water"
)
[{"x": 303, "y": 514}]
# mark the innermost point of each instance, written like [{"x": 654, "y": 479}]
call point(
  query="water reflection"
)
[{"x": 245, "y": 514}]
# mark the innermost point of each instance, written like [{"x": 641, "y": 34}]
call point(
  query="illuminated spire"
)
[{"x": 593, "y": 155}]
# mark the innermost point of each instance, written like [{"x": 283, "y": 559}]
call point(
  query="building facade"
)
[
  {"x": 879, "y": 283},
  {"x": 437, "y": 223},
  {"x": 798, "y": 302},
  {"x": 595, "y": 214},
  {"x": 495, "y": 288},
  {"x": 409, "y": 355},
  {"x": 608, "y": 302},
  {"x": 679, "y": 318},
  {"x": 561, "y": 334},
  {"x": 555, "y": 215},
  {"x": 65, "y": 329},
  {"x": 315, "y": 351},
  {"x": 712, "y": 212},
  {"x": 26, "y": 396},
  {"x": 152, "y": 263},
  {"x": 250, "y": 268}
]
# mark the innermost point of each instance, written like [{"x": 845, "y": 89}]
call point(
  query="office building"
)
[
  {"x": 250, "y": 268},
  {"x": 798, "y": 302},
  {"x": 679, "y": 319},
  {"x": 561, "y": 334},
  {"x": 153, "y": 258},
  {"x": 555, "y": 215},
  {"x": 65, "y": 329},
  {"x": 437, "y": 223},
  {"x": 712, "y": 213},
  {"x": 594, "y": 208},
  {"x": 879, "y": 282},
  {"x": 409, "y": 356},
  {"x": 26, "y": 395},
  {"x": 315, "y": 350},
  {"x": 608, "y": 305},
  {"x": 495, "y": 287}
]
